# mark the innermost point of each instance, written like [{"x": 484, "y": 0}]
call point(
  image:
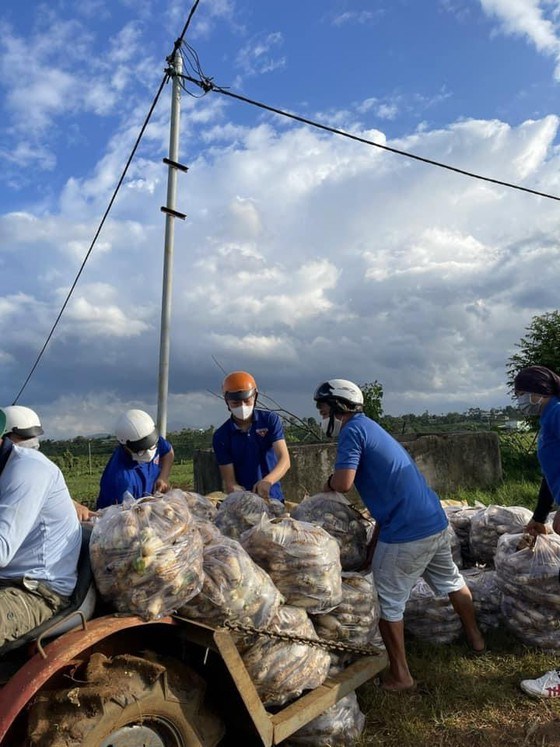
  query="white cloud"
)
[
  {"x": 528, "y": 19},
  {"x": 260, "y": 54}
]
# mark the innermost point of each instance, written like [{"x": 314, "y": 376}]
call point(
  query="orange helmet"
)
[{"x": 239, "y": 385}]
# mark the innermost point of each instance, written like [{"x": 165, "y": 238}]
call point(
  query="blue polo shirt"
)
[
  {"x": 251, "y": 452},
  {"x": 123, "y": 474},
  {"x": 389, "y": 482},
  {"x": 548, "y": 446}
]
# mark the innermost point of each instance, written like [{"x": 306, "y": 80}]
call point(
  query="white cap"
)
[
  {"x": 136, "y": 430},
  {"x": 22, "y": 421}
]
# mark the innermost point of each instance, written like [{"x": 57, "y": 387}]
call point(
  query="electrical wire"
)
[
  {"x": 207, "y": 85},
  {"x": 168, "y": 73}
]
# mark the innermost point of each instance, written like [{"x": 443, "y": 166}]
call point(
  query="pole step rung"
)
[
  {"x": 176, "y": 164},
  {"x": 173, "y": 213}
]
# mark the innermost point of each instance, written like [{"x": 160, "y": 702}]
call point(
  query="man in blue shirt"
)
[
  {"x": 40, "y": 539},
  {"x": 410, "y": 538},
  {"x": 140, "y": 465},
  {"x": 250, "y": 447}
]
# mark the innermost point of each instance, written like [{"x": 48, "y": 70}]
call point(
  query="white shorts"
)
[{"x": 397, "y": 567}]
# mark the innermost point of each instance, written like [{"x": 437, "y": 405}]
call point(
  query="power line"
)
[
  {"x": 165, "y": 79},
  {"x": 207, "y": 85}
]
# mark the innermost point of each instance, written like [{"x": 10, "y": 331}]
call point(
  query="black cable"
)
[
  {"x": 207, "y": 85},
  {"x": 165, "y": 79}
]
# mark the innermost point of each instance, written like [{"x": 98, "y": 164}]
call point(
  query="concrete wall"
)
[{"x": 449, "y": 461}]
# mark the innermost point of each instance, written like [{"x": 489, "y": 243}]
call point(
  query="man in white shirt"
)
[{"x": 40, "y": 538}]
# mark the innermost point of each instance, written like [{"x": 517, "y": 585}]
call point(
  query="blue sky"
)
[{"x": 305, "y": 256}]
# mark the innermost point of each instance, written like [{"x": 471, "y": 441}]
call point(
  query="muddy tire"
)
[{"x": 126, "y": 701}]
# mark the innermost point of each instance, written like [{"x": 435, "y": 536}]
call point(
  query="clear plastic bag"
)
[
  {"x": 146, "y": 555},
  {"x": 334, "y": 513},
  {"x": 338, "y": 726},
  {"x": 241, "y": 510},
  {"x": 302, "y": 559},
  {"x": 235, "y": 588}
]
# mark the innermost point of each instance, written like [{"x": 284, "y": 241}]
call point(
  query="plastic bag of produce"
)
[
  {"x": 460, "y": 518},
  {"x": 534, "y": 624},
  {"x": 431, "y": 618},
  {"x": 356, "y": 619},
  {"x": 242, "y": 510},
  {"x": 343, "y": 522},
  {"x": 282, "y": 670},
  {"x": 199, "y": 505},
  {"x": 235, "y": 588},
  {"x": 489, "y": 525},
  {"x": 486, "y": 594},
  {"x": 338, "y": 726},
  {"x": 529, "y": 568},
  {"x": 302, "y": 559},
  {"x": 146, "y": 555}
]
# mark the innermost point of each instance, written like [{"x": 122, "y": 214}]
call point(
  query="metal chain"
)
[{"x": 318, "y": 642}]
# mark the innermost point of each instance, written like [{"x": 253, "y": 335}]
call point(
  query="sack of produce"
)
[
  {"x": 302, "y": 559},
  {"x": 534, "y": 624},
  {"x": 460, "y": 518},
  {"x": 343, "y": 522},
  {"x": 356, "y": 619},
  {"x": 489, "y": 525},
  {"x": 455, "y": 545},
  {"x": 199, "y": 505},
  {"x": 529, "y": 568},
  {"x": 339, "y": 726},
  {"x": 146, "y": 555},
  {"x": 280, "y": 669},
  {"x": 242, "y": 510},
  {"x": 486, "y": 594},
  {"x": 431, "y": 618},
  {"x": 235, "y": 588}
]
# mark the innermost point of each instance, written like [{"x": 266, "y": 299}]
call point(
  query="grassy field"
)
[{"x": 460, "y": 701}]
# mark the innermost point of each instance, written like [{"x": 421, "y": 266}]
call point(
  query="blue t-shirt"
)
[
  {"x": 389, "y": 482},
  {"x": 251, "y": 452},
  {"x": 123, "y": 474},
  {"x": 548, "y": 446}
]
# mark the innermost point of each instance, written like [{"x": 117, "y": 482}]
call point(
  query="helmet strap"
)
[{"x": 330, "y": 427}]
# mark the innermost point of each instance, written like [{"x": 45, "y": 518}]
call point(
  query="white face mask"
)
[
  {"x": 29, "y": 443},
  {"x": 243, "y": 412},
  {"x": 527, "y": 407},
  {"x": 337, "y": 424},
  {"x": 144, "y": 456}
]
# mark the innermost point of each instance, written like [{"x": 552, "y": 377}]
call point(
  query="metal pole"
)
[{"x": 163, "y": 381}]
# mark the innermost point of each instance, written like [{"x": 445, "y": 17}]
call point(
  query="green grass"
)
[
  {"x": 519, "y": 492},
  {"x": 463, "y": 701}
]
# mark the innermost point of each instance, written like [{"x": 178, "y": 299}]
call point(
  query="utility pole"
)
[{"x": 175, "y": 70}]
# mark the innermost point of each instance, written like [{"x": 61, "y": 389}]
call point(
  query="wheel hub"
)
[{"x": 148, "y": 734}]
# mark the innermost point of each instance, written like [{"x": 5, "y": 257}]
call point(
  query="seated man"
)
[
  {"x": 23, "y": 427},
  {"x": 140, "y": 465},
  {"x": 40, "y": 539},
  {"x": 250, "y": 446}
]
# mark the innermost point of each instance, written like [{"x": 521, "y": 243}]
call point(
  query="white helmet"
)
[
  {"x": 22, "y": 421},
  {"x": 136, "y": 430},
  {"x": 341, "y": 395}
]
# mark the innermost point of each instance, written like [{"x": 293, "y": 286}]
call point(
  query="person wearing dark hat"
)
[
  {"x": 40, "y": 539},
  {"x": 537, "y": 390},
  {"x": 141, "y": 463}
]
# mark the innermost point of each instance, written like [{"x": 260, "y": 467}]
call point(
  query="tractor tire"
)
[{"x": 126, "y": 701}]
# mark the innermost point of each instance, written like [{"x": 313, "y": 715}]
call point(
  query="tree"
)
[
  {"x": 373, "y": 394},
  {"x": 539, "y": 347}
]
